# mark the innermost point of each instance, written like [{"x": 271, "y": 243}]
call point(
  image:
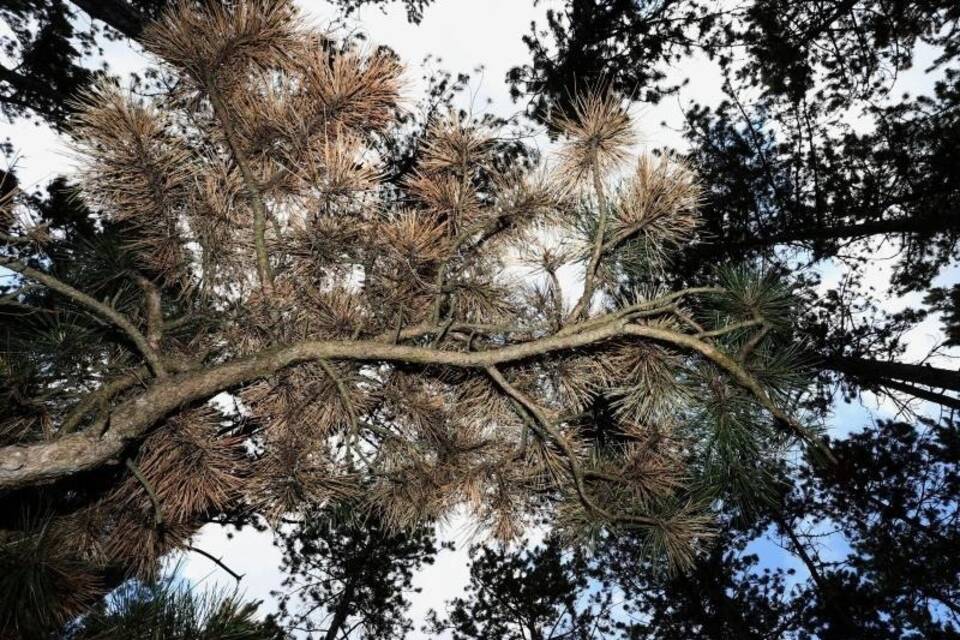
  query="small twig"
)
[
  {"x": 751, "y": 344},
  {"x": 217, "y": 561},
  {"x": 154, "y": 310},
  {"x": 582, "y": 309},
  {"x": 135, "y": 470},
  {"x": 260, "y": 211},
  {"x": 736, "y": 326},
  {"x": 396, "y": 336},
  {"x": 344, "y": 395},
  {"x": 442, "y": 333}
]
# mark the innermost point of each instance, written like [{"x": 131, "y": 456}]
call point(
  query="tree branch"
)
[
  {"x": 257, "y": 203},
  {"x": 582, "y": 307},
  {"x": 154, "y": 500},
  {"x": 217, "y": 561},
  {"x": 103, "y": 310},
  {"x": 94, "y": 399},
  {"x": 154, "y": 310},
  {"x": 738, "y": 373},
  {"x": 132, "y": 419},
  {"x": 576, "y": 473}
]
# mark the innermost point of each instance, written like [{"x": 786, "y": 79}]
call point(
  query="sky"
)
[{"x": 462, "y": 35}]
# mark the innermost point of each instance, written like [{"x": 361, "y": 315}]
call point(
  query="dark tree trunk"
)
[
  {"x": 852, "y": 231},
  {"x": 341, "y": 612},
  {"x": 879, "y": 371}
]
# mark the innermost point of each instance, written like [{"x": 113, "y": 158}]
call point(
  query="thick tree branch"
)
[
  {"x": 97, "y": 398},
  {"x": 131, "y": 420},
  {"x": 942, "y": 399},
  {"x": 877, "y": 371}
]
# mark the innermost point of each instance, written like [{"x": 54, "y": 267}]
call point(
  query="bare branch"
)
[
  {"x": 154, "y": 500},
  {"x": 217, "y": 561}
]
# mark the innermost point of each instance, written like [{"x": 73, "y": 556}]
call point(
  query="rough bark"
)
[{"x": 25, "y": 465}]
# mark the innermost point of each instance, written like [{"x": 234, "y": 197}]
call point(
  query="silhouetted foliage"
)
[
  {"x": 865, "y": 552},
  {"x": 165, "y": 610},
  {"x": 51, "y": 47},
  {"x": 534, "y": 592},
  {"x": 348, "y": 576}
]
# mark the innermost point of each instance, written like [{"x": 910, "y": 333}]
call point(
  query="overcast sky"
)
[{"x": 463, "y": 34}]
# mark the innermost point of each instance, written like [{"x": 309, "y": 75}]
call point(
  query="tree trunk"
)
[
  {"x": 865, "y": 229},
  {"x": 341, "y": 612},
  {"x": 829, "y": 596},
  {"x": 878, "y": 371}
]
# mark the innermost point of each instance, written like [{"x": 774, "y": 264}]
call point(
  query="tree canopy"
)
[
  {"x": 277, "y": 293},
  {"x": 368, "y": 333}
]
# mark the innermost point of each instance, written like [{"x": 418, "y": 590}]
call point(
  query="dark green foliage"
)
[
  {"x": 165, "y": 610},
  {"x": 896, "y": 497},
  {"x": 892, "y": 502}
]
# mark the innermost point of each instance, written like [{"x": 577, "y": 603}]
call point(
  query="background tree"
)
[
  {"x": 249, "y": 244},
  {"x": 886, "y": 512},
  {"x": 50, "y": 54},
  {"x": 347, "y": 576},
  {"x": 786, "y": 176},
  {"x": 533, "y": 593}
]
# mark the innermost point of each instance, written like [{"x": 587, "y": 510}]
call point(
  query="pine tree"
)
[
  {"x": 368, "y": 333},
  {"x": 347, "y": 576}
]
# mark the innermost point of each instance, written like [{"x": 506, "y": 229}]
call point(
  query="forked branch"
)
[{"x": 105, "y": 311}]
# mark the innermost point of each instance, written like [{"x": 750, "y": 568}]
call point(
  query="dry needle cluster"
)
[{"x": 373, "y": 344}]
